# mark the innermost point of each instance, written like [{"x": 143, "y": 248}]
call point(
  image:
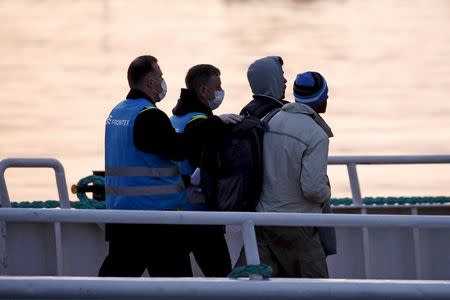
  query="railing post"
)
[
  {"x": 250, "y": 246},
  {"x": 4, "y": 197},
  {"x": 417, "y": 251},
  {"x": 366, "y": 248},
  {"x": 34, "y": 163},
  {"x": 62, "y": 193},
  {"x": 3, "y": 254},
  {"x": 354, "y": 184}
]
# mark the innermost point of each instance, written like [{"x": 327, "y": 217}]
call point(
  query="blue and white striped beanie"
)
[{"x": 310, "y": 88}]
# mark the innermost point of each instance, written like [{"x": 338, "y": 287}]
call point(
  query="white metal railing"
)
[
  {"x": 352, "y": 161},
  {"x": 62, "y": 192},
  {"x": 34, "y": 163},
  {"x": 314, "y": 289},
  {"x": 219, "y": 218},
  {"x": 169, "y": 288},
  {"x": 196, "y": 288},
  {"x": 246, "y": 219}
]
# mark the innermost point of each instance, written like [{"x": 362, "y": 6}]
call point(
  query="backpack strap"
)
[
  {"x": 260, "y": 107},
  {"x": 268, "y": 117}
]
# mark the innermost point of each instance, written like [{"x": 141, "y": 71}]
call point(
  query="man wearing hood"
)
[
  {"x": 266, "y": 78},
  {"x": 202, "y": 95}
]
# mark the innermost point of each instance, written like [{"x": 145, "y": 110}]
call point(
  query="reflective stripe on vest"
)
[
  {"x": 142, "y": 171},
  {"x": 147, "y": 108},
  {"x": 144, "y": 190},
  {"x": 197, "y": 118}
]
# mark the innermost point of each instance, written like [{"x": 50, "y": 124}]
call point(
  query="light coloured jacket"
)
[{"x": 295, "y": 161}]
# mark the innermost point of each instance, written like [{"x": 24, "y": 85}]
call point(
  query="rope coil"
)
[
  {"x": 246, "y": 271},
  {"x": 88, "y": 181}
]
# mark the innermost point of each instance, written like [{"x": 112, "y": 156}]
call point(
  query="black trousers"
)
[
  {"x": 161, "y": 249},
  {"x": 210, "y": 250}
]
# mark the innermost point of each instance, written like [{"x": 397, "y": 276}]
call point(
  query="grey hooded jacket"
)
[
  {"x": 295, "y": 161},
  {"x": 267, "y": 82},
  {"x": 265, "y": 76}
]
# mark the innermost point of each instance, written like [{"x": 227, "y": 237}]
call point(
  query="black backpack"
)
[{"x": 232, "y": 169}]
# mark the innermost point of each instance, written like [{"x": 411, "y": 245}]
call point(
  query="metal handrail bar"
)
[
  {"x": 352, "y": 161},
  {"x": 34, "y": 163},
  {"x": 220, "y": 218},
  {"x": 62, "y": 192},
  {"x": 248, "y": 221},
  {"x": 388, "y": 159},
  {"x": 218, "y": 288}
]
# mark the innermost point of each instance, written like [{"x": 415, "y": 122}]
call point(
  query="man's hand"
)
[
  {"x": 230, "y": 118},
  {"x": 195, "y": 177}
]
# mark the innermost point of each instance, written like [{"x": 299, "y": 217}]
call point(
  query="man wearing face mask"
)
[
  {"x": 202, "y": 95},
  {"x": 140, "y": 149}
]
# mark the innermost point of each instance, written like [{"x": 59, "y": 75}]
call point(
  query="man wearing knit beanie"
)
[
  {"x": 295, "y": 160},
  {"x": 311, "y": 88}
]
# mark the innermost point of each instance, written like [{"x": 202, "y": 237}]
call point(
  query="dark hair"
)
[
  {"x": 199, "y": 75},
  {"x": 140, "y": 67}
]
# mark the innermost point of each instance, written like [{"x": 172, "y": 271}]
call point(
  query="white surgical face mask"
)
[
  {"x": 218, "y": 98},
  {"x": 164, "y": 90}
]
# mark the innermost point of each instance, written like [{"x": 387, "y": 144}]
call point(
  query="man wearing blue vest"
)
[
  {"x": 203, "y": 94},
  {"x": 140, "y": 149}
]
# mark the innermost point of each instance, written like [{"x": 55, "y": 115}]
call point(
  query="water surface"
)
[{"x": 63, "y": 68}]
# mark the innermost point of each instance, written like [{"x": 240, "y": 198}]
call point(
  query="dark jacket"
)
[
  {"x": 261, "y": 105},
  {"x": 153, "y": 132},
  {"x": 212, "y": 126}
]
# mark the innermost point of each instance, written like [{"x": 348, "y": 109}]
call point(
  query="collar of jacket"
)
[
  {"x": 275, "y": 101},
  {"x": 188, "y": 103},
  {"x": 299, "y": 108},
  {"x": 137, "y": 94},
  {"x": 261, "y": 105}
]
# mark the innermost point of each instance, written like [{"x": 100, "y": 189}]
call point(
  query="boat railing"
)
[
  {"x": 60, "y": 287},
  {"x": 350, "y": 161},
  {"x": 51, "y": 163},
  {"x": 247, "y": 220},
  {"x": 95, "y": 288},
  {"x": 219, "y": 288}
]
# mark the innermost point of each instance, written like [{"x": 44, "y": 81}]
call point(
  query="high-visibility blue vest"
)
[
  {"x": 195, "y": 197},
  {"x": 135, "y": 179},
  {"x": 179, "y": 123}
]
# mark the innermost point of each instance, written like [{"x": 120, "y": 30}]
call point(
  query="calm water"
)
[{"x": 63, "y": 66}]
